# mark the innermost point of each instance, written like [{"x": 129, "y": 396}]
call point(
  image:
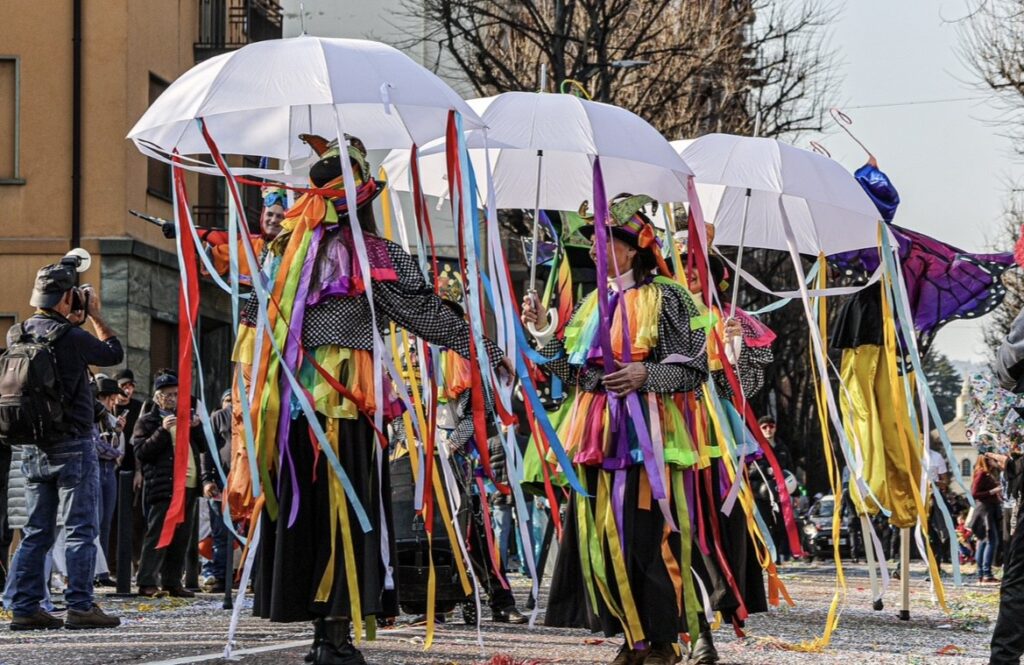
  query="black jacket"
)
[
  {"x": 154, "y": 452},
  {"x": 220, "y": 421},
  {"x": 131, "y": 412},
  {"x": 74, "y": 351}
]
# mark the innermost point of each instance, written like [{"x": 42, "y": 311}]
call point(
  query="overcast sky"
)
[{"x": 951, "y": 166}]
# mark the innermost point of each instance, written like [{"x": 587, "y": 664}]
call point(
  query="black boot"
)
[
  {"x": 318, "y": 637},
  {"x": 704, "y": 651},
  {"x": 336, "y": 647}
]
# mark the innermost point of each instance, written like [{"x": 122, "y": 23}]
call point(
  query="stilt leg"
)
[
  {"x": 869, "y": 553},
  {"x": 905, "y": 574}
]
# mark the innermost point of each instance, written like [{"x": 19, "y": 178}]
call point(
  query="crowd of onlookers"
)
[{"x": 60, "y": 488}]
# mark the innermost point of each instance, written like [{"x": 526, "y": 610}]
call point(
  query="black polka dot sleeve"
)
[
  {"x": 413, "y": 305},
  {"x": 679, "y": 361},
  {"x": 750, "y": 368}
]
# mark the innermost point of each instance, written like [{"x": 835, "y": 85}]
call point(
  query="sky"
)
[{"x": 949, "y": 163}]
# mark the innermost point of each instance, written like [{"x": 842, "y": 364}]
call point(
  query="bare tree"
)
[
  {"x": 687, "y": 66},
  {"x": 992, "y": 46}
]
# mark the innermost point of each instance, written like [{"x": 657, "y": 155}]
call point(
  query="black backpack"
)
[{"x": 31, "y": 396}]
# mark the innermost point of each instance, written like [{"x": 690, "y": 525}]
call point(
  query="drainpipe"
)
[{"x": 76, "y": 124}]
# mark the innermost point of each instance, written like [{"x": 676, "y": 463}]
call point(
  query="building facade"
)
[{"x": 74, "y": 78}]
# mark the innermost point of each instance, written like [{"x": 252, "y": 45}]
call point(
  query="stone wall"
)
[{"x": 140, "y": 286}]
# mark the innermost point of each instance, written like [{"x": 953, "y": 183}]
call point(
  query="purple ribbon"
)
[{"x": 293, "y": 345}]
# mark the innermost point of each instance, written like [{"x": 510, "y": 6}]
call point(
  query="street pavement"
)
[{"x": 171, "y": 631}]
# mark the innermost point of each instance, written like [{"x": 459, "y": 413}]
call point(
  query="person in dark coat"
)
[
  {"x": 153, "y": 440},
  {"x": 216, "y": 571},
  {"x": 63, "y": 475},
  {"x": 1008, "y": 636}
]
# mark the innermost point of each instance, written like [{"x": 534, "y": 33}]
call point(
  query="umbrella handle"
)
[{"x": 550, "y": 328}]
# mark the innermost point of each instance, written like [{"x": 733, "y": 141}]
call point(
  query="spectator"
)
[
  {"x": 6, "y": 532},
  {"x": 154, "y": 439},
  {"x": 65, "y": 471},
  {"x": 130, "y": 407},
  {"x": 111, "y": 449},
  {"x": 766, "y": 488},
  {"x": 1008, "y": 636},
  {"x": 965, "y": 538},
  {"x": 769, "y": 428},
  {"x": 217, "y": 571},
  {"x": 987, "y": 492}
]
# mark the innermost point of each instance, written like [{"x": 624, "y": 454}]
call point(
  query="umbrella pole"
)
[
  {"x": 536, "y": 229},
  {"x": 739, "y": 255}
]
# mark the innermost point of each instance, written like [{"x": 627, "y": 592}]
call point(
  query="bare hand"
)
[
  {"x": 531, "y": 311},
  {"x": 169, "y": 422},
  {"x": 733, "y": 329},
  {"x": 94, "y": 309},
  {"x": 137, "y": 481},
  {"x": 627, "y": 379},
  {"x": 195, "y": 420},
  {"x": 507, "y": 369},
  {"x": 121, "y": 421},
  {"x": 210, "y": 491}
]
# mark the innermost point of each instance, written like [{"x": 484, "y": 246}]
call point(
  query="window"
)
[
  {"x": 163, "y": 345},
  {"x": 6, "y": 321},
  {"x": 158, "y": 181},
  {"x": 10, "y": 120},
  {"x": 965, "y": 467}
]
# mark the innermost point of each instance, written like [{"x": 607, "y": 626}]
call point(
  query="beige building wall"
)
[{"x": 123, "y": 44}]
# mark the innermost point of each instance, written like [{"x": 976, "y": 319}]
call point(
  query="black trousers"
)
[
  {"x": 499, "y": 598},
  {"x": 164, "y": 567},
  {"x": 1008, "y": 637}
]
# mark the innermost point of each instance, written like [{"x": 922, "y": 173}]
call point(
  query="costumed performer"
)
[
  {"x": 218, "y": 241},
  {"x": 315, "y": 561},
  {"x": 729, "y": 564},
  {"x": 627, "y": 553}
]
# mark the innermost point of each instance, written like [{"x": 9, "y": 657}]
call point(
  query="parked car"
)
[{"x": 816, "y": 531}]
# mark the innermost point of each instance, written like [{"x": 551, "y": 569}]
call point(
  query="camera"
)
[
  {"x": 80, "y": 298},
  {"x": 80, "y": 260}
]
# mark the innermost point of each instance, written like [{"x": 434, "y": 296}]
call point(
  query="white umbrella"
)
[
  {"x": 826, "y": 208},
  {"x": 542, "y": 149},
  {"x": 258, "y": 99}
]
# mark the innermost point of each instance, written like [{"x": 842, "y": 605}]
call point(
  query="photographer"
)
[
  {"x": 153, "y": 440},
  {"x": 63, "y": 470}
]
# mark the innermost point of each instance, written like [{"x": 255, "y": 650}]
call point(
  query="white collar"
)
[{"x": 623, "y": 282}]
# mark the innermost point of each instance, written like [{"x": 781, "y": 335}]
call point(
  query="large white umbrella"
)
[
  {"x": 826, "y": 208},
  {"x": 542, "y": 149},
  {"x": 258, "y": 99}
]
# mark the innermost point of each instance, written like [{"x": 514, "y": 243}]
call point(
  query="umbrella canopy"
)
[
  {"x": 258, "y": 99},
  {"x": 828, "y": 211},
  {"x": 571, "y": 132}
]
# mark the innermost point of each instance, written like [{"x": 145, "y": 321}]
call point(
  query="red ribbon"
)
[{"x": 188, "y": 309}]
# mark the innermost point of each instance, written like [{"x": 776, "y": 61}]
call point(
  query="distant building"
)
[
  {"x": 956, "y": 430},
  {"x": 74, "y": 78}
]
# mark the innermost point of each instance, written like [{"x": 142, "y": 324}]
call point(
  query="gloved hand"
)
[{"x": 167, "y": 228}]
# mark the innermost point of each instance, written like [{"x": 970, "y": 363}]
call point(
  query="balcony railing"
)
[{"x": 226, "y": 25}]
